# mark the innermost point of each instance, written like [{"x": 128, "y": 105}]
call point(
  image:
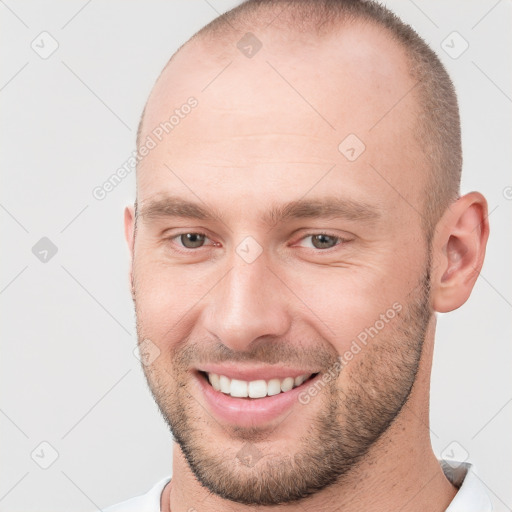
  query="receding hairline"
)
[
  {"x": 438, "y": 126},
  {"x": 213, "y": 36}
]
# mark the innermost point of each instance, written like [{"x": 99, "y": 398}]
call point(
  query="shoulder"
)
[
  {"x": 148, "y": 502},
  {"x": 472, "y": 495}
]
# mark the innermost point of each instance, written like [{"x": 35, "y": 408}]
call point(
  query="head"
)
[{"x": 303, "y": 212}]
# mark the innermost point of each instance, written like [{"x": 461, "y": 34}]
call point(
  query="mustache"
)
[{"x": 265, "y": 352}]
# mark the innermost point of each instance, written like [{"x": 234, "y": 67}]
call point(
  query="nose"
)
[{"x": 248, "y": 303}]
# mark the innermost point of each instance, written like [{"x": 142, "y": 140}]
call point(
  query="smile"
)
[
  {"x": 255, "y": 388},
  {"x": 230, "y": 400}
]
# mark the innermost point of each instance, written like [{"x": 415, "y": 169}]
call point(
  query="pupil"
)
[
  {"x": 192, "y": 240},
  {"x": 322, "y": 241}
]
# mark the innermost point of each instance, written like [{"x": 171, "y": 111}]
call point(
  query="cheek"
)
[
  {"x": 350, "y": 304},
  {"x": 166, "y": 297}
]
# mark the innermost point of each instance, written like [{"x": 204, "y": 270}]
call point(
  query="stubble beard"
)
[{"x": 351, "y": 415}]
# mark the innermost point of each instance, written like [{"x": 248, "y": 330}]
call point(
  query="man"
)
[{"x": 297, "y": 225}]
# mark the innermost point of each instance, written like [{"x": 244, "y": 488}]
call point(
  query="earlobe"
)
[{"x": 460, "y": 243}]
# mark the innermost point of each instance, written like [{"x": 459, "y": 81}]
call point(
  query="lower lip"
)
[{"x": 250, "y": 412}]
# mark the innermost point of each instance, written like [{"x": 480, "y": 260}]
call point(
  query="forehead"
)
[{"x": 285, "y": 116}]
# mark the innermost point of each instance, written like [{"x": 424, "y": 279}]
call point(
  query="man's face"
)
[{"x": 297, "y": 294}]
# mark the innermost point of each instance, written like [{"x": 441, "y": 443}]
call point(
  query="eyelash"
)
[{"x": 340, "y": 240}]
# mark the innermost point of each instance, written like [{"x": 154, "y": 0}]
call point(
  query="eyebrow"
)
[{"x": 327, "y": 207}]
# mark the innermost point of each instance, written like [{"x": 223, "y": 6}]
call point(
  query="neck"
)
[{"x": 400, "y": 472}]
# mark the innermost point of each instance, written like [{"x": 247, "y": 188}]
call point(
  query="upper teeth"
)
[{"x": 254, "y": 388}]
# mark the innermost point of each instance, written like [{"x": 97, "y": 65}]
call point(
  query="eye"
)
[
  {"x": 323, "y": 240},
  {"x": 191, "y": 240}
]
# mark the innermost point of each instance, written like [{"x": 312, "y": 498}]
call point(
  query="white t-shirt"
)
[{"x": 472, "y": 496}]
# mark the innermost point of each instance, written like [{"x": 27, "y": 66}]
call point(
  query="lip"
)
[
  {"x": 249, "y": 412},
  {"x": 254, "y": 373}
]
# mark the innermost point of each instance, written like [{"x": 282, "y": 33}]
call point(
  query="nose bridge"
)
[{"x": 245, "y": 305}]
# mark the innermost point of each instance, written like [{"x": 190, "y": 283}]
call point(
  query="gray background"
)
[{"x": 68, "y": 373}]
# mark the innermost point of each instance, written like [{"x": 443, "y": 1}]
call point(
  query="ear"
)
[
  {"x": 129, "y": 235},
  {"x": 458, "y": 251}
]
